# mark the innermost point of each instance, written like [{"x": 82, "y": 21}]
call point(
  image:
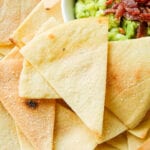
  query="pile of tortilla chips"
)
[{"x": 64, "y": 87}]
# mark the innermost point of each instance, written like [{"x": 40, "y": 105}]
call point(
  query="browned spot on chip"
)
[
  {"x": 52, "y": 37},
  {"x": 32, "y": 104}
]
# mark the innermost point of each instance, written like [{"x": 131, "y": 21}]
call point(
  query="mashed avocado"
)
[
  {"x": 86, "y": 8},
  {"x": 95, "y": 8}
]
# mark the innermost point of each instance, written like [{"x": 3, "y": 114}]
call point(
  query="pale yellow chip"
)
[
  {"x": 8, "y": 134},
  {"x": 142, "y": 129},
  {"x": 26, "y": 31},
  {"x": 119, "y": 142},
  {"x": 12, "y": 13},
  {"x": 105, "y": 147},
  {"x": 134, "y": 143},
  {"x": 70, "y": 133},
  {"x": 23, "y": 141},
  {"x": 35, "y": 118},
  {"x": 69, "y": 61},
  {"x": 128, "y": 92},
  {"x": 32, "y": 85}
]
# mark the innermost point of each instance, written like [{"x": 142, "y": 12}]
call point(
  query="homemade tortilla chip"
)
[
  {"x": 70, "y": 133},
  {"x": 26, "y": 31},
  {"x": 35, "y": 118},
  {"x": 119, "y": 142},
  {"x": 12, "y": 13},
  {"x": 128, "y": 92},
  {"x": 24, "y": 143},
  {"x": 8, "y": 134},
  {"x": 74, "y": 58},
  {"x": 32, "y": 85}
]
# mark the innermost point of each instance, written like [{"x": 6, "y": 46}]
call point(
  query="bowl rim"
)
[{"x": 66, "y": 11}]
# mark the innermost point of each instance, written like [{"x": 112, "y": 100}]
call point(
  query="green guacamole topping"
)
[{"x": 118, "y": 29}]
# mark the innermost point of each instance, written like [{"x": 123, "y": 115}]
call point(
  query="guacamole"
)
[{"x": 119, "y": 28}]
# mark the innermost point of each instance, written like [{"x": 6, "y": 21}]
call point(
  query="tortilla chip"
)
[
  {"x": 105, "y": 147},
  {"x": 24, "y": 143},
  {"x": 12, "y": 13},
  {"x": 112, "y": 127},
  {"x": 142, "y": 129},
  {"x": 4, "y": 50},
  {"x": 145, "y": 145},
  {"x": 119, "y": 142},
  {"x": 70, "y": 133},
  {"x": 8, "y": 135},
  {"x": 35, "y": 118},
  {"x": 32, "y": 85},
  {"x": 26, "y": 31},
  {"x": 74, "y": 58},
  {"x": 128, "y": 92}
]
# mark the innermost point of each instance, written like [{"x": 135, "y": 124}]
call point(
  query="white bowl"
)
[{"x": 67, "y": 7}]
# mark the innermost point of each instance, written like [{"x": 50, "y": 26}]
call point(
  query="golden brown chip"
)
[
  {"x": 12, "y": 13},
  {"x": 128, "y": 92},
  {"x": 35, "y": 118}
]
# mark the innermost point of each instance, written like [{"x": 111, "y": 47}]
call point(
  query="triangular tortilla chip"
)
[
  {"x": 8, "y": 134},
  {"x": 105, "y": 147},
  {"x": 119, "y": 142},
  {"x": 12, "y": 12},
  {"x": 70, "y": 133},
  {"x": 26, "y": 31},
  {"x": 35, "y": 118},
  {"x": 76, "y": 58},
  {"x": 134, "y": 143},
  {"x": 112, "y": 127},
  {"x": 142, "y": 129},
  {"x": 145, "y": 145},
  {"x": 32, "y": 85},
  {"x": 128, "y": 92},
  {"x": 24, "y": 143}
]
